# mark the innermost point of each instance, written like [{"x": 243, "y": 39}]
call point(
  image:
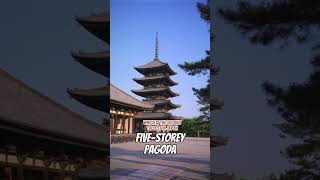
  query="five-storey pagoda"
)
[{"x": 156, "y": 88}]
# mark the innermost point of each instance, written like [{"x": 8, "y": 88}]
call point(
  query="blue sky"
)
[{"x": 183, "y": 36}]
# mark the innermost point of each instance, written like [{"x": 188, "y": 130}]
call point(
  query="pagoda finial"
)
[{"x": 157, "y": 48}]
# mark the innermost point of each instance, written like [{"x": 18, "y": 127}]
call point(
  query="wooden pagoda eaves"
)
[
  {"x": 165, "y": 91},
  {"x": 145, "y": 81},
  {"x": 163, "y": 102},
  {"x": 155, "y": 65},
  {"x": 98, "y": 25},
  {"x": 98, "y": 62},
  {"x": 96, "y": 98}
]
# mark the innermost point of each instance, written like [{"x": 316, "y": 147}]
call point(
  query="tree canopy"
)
[
  {"x": 201, "y": 67},
  {"x": 272, "y": 20},
  {"x": 298, "y": 104}
]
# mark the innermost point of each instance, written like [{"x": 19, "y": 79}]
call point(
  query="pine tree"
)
[
  {"x": 299, "y": 107},
  {"x": 298, "y": 104},
  {"x": 274, "y": 20},
  {"x": 201, "y": 67}
]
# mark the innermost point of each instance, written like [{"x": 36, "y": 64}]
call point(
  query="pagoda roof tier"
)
[
  {"x": 155, "y": 116},
  {"x": 216, "y": 141},
  {"x": 120, "y": 97},
  {"x": 163, "y": 102},
  {"x": 165, "y": 91},
  {"x": 98, "y": 62},
  {"x": 97, "y": 98},
  {"x": 28, "y": 112},
  {"x": 97, "y": 24},
  {"x": 155, "y": 66},
  {"x": 154, "y": 79}
]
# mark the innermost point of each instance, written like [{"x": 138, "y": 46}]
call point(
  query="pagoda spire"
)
[{"x": 157, "y": 48}]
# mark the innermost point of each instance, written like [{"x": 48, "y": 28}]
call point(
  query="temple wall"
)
[{"x": 121, "y": 121}]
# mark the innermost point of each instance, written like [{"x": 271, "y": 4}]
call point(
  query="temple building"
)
[
  {"x": 156, "y": 89},
  {"x": 41, "y": 139},
  {"x": 123, "y": 110}
]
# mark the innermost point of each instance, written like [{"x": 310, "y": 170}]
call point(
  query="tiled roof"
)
[
  {"x": 152, "y": 64},
  {"x": 162, "y": 102},
  {"x": 22, "y": 106},
  {"x": 148, "y": 79},
  {"x": 154, "y": 90},
  {"x": 120, "y": 96},
  {"x": 155, "y": 64}
]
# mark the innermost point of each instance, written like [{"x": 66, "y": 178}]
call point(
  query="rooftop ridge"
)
[{"x": 128, "y": 95}]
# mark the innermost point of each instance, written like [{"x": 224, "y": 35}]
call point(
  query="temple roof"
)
[
  {"x": 155, "y": 116},
  {"x": 119, "y": 96},
  {"x": 150, "y": 91},
  {"x": 97, "y": 24},
  {"x": 216, "y": 141},
  {"x": 26, "y": 111},
  {"x": 97, "y": 98},
  {"x": 149, "y": 79},
  {"x": 155, "y": 65},
  {"x": 98, "y": 62},
  {"x": 163, "y": 102}
]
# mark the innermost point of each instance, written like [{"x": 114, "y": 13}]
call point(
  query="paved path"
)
[{"x": 192, "y": 161}]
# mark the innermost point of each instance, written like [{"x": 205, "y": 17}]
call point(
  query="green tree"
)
[
  {"x": 194, "y": 126},
  {"x": 298, "y": 104},
  {"x": 201, "y": 67}
]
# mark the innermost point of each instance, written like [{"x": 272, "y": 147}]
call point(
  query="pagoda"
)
[
  {"x": 99, "y": 62},
  {"x": 156, "y": 88}
]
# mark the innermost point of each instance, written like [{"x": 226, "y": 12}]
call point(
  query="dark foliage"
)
[
  {"x": 268, "y": 21},
  {"x": 298, "y": 104}
]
